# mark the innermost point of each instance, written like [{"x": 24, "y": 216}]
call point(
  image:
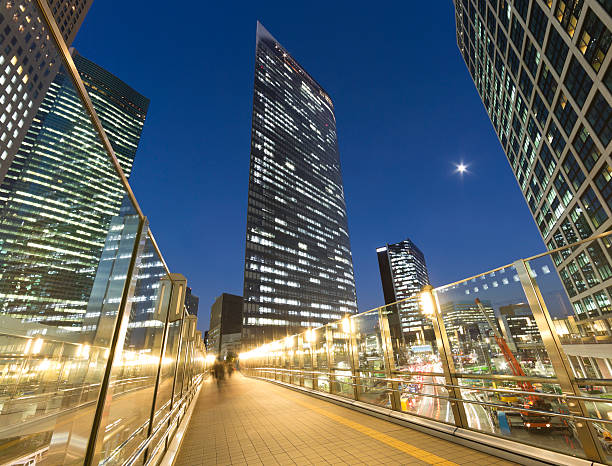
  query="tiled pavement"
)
[{"x": 254, "y": 422}]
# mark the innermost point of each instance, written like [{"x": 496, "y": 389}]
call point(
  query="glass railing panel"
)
[
  {"x": 491, "y": 328},
  {"x": 340, "y": 352},
  {"x": 67, "y": 232},
  {"x": 307, "y": 358},
  {"x": 169, "y": 360},
  {"x": 417, "y": 362},
  {"x": 577, "y": 294},
  {"x": 320, "y": 355},
  {"x": 180, "y": 369},
  {"x": 492, "y": 332},
  {"x": 135, "y": 369},
  {"x": 372, "y": 385}
]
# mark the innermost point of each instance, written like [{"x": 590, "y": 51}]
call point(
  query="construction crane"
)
[{"x": 515, "y": 367}]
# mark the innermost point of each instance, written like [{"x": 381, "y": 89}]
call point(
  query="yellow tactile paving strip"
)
[{"x": 254, "y": 422}]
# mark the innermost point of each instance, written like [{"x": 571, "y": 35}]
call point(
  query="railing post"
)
[
  {"x": 300, "y": 346},
  {"x": 444, "y": 350},
  {"x": 94, "y": 446},
  {"x": 329, "y": 342},
  {"x": 314, "y": 361},
  {"x": 560, "y": 362},
  {"x": 354, "y": 358},
  {"x": 385, "y": 334}
]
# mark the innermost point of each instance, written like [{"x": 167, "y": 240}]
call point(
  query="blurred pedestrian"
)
[
  {"x": 230, "y": 367},
  {"x": 218, "y": 371}
]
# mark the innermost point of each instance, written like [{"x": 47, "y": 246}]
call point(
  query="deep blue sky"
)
[{"x": 406, "y": 110}]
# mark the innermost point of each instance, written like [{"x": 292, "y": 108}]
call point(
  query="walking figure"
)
[{"x": 218, "y": 371}]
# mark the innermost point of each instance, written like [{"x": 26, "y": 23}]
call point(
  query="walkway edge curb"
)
[
  {"x": 171, "y": 454},
  {"x": 481, "y": 442}
]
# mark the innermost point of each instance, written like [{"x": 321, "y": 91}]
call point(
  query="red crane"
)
[{"x": 515, "y": 366}]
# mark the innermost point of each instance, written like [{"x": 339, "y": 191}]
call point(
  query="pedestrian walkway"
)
[{"x": 249, "y": 421}]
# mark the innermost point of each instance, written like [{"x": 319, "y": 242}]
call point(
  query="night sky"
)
[{"x": 406, "y": 108}]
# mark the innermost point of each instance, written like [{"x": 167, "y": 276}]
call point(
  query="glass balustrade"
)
[
  {"x": 522, "y": 352},
  {"x": 89, "y": 348}
]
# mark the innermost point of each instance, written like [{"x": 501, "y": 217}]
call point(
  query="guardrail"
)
[{"x": 511, "y": 353}]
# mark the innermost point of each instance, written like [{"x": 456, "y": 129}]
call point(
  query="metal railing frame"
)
[
  {"x": 93, "y": 453},
  {"x": 564, "y": 377}
]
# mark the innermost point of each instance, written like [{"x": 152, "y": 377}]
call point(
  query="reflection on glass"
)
[
  {"x": 372, "y": 386},
  {"x": 418, "y": 365}
]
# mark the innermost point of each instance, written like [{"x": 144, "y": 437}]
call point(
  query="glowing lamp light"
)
[
  {"x": 37, "y": 346},
  {"x": 311, "y": 337},
  {"x": 427, "y": 304},
  {"x": 346, "y": 325},
  {"x": 289, "y": 342}
]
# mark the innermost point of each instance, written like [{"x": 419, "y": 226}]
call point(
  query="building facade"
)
[
  {"x": 191, "y": 302},
  {"x": 403, "y": 274},
  {"x": 225, "y": 331},
  {"x": 298, "y": 263},
  {"x": 28, "y": 65},
  {"x": 49, "y": 194},
  {"x": 542, "y": 69}
]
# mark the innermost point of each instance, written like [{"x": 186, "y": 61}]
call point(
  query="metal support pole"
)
[
  {"x": 314, "y": 363},
  {"x": 385, "y": 334},
  {"x": 94, "y": 446},
  {"x": 354, "y": 352},
  {"x": 444, "y": 350},
  {"x": 300, "y": 346},
  {"x": 329, "y": 342},
  {"x": 560, "y": 362}
]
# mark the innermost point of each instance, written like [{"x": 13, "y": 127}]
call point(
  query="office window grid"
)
[
  {"x": 547, "y": 48},
  {"x": 298, "y": 264}
]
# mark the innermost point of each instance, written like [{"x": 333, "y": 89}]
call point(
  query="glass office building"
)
[
  {"x": 542, "y": 69},
  {"x": 28, "y": 66},
  {"x": 51, "y": 241},
  {"x": 298, "y": 263},
  {"x": 403, "y": 274}
]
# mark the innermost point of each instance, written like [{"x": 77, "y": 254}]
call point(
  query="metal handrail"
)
[
  {"x": 144, "y": 445},
  {"x": 462, "y": 387},
  {"x": 495, "y": 405}
]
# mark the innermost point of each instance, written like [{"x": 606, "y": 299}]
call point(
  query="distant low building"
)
[{"x": 224, "y": 335}]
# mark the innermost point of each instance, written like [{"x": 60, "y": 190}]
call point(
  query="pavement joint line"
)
[{"x": 411, "y": 450}]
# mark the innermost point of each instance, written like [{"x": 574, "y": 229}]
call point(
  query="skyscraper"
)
[
  {"x": 28, "y": 66},
  {"x": 404, "y": 274},
  {"x": 298, "y": 263},
  {"x": 54, "y": 215},
  {"x": 542, "y": 69}
]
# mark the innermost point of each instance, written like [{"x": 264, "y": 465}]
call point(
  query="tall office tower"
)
[
  {"x": 192, "y": 302},
  {"x": 542, "y": 69},
  {"x": 51, "y": 238},
  {"x": 27, "y": 67},
  {"x": 404, "y": 274},
  {"x": 298, "y": 264}
]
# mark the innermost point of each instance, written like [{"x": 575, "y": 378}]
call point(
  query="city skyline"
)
[{"x": 370, "y": 144}]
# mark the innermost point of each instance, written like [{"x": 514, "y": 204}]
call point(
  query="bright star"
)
[{"x": 461, "y": 168}]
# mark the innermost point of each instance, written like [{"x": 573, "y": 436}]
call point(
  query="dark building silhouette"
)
[
  {"x": 225, "y": 332},
  {"x": 191, "y": 302}
]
